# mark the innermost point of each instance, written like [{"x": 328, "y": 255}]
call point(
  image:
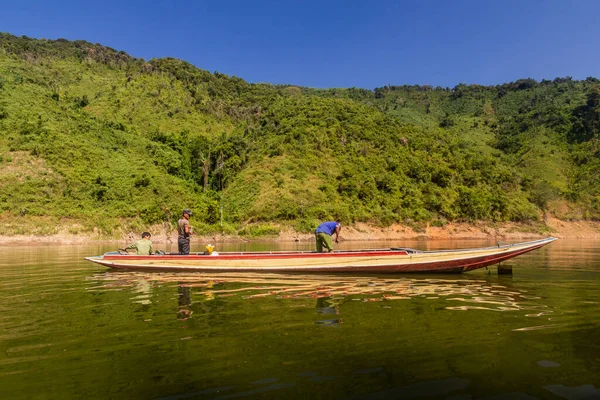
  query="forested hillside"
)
[{"x": 93, "y": 139}]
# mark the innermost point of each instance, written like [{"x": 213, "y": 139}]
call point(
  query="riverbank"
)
[{"x": 357, "y": 232}]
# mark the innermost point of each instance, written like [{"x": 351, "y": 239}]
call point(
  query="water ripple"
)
[{"x": 476, "y": 294}]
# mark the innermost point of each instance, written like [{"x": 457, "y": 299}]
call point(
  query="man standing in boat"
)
[
  {"x": 184, "y": 231},
  {"x": 323, "y": 235}
]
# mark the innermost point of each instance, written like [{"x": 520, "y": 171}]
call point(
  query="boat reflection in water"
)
[{"x": 330, "y": 291}]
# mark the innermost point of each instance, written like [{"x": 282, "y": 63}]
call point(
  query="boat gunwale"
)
[{"x": 313, "y": 254}]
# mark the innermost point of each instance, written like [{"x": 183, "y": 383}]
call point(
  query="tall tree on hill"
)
[{"x": 587, "y": 118}]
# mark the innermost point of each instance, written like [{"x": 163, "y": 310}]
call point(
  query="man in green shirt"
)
[{"x": 142, "y": 246}]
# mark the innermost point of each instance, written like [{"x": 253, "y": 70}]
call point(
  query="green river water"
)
[{"x": 70, "y": 329}]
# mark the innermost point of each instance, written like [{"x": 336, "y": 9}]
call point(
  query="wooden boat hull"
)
[{"x": 352, "y": 261}]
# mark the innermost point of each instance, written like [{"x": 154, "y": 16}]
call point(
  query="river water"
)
[{"x": 71, "y": 329}]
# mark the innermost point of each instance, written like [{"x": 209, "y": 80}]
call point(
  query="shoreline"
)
[{"x": 357, "y": 232}]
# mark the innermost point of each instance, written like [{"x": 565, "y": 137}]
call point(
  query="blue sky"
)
[{"x": 322, "y": 44}]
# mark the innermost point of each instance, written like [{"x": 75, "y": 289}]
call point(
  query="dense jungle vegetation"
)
[{"x": 95, "y": 140}]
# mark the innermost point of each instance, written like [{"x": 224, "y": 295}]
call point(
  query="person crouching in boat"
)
[
  {"x": 323, "y": 235},
  {"x": 184, "y": 231},
  {"x": 142, "y": 246}
]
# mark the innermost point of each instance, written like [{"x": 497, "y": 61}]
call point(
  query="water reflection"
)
[
  {"x": 79, "y": 329},
  {"x": 329, "y": 291},
  {"x": 184, "y": 301}
]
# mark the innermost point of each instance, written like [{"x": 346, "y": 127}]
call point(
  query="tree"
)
[{"x": 586, "y": 124}]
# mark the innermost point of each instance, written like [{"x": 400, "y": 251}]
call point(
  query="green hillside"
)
[{"x": 92, "y": 139}]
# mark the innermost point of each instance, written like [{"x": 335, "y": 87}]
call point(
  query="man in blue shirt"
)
[{"x": 323, "y": 235}]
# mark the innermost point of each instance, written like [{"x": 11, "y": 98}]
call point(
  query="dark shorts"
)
[{"x": 183, "y": 245}]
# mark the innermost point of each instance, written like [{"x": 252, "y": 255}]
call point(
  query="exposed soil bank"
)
[{"x": 362, "y": 232}]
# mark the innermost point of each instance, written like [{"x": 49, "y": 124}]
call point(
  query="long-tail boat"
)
[{"x": 391, "y": 260}]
